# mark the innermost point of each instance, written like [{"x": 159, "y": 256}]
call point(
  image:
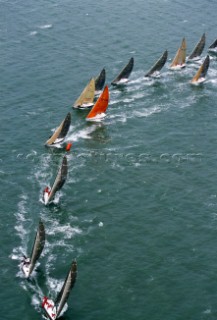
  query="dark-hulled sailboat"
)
[
  {"x": 100, "y": 81},
  {"x": 60, "y": 133},
  {"x": 49, "y": 194},
  {"x": 201, "y": 73},
  {"x": 52, "y": 308},
  {"x": 154, "y": 71},
  {"x": 198, "y": 48},
  {"x": 28, "y": 264},
  {"x": 123, "y": 76}
]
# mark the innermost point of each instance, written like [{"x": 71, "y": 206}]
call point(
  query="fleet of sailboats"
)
[{"x": 54, "y": 309}]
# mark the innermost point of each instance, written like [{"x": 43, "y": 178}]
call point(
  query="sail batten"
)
[
  {"x": 87, "y": 96},
  {"x": 125, "y": 72},
  {"x": 158, "y": 65}
]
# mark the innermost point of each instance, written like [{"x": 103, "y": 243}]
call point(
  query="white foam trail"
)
[{"x": 46, "y": 26}]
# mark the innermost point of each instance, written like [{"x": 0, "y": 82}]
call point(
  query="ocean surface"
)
[{"x": 139, "y": 208}]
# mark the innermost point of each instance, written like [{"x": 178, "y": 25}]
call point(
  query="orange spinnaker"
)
[{"x": 100, "y": 105}]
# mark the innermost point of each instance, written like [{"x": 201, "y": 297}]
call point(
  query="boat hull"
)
[
  {"x": 49, "y": 308},
  {"x": 97, "y": 118}
]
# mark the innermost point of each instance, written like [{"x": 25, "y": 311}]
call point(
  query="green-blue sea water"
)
[{"x": 139, "y": 208}]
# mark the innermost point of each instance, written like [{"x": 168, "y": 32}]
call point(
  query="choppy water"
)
[{"x": 139, "y": 208}]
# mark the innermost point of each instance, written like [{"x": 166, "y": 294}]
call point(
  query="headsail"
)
[
  {"x": 66, "y": 289},
  {"x": 201, "y": 73},
  {"x": 59, "y": 181},
  {"x": 100, "y": 80},
  {"x": 213, "y": 47},
  {"x": 61, "y": 132},
  {"x": 36, "y": 250},
  {"x": 99, "y": 109},
  {"x": 158, "y": 65},
  {"x": 180, "y": 57},
  {"x": 85, "y": 100},
  {"x": 125, "y": 72},
  {"x": 198, "y": 48}
]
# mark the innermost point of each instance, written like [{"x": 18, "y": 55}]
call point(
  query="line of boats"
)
[{"x": 96, "y": 88}]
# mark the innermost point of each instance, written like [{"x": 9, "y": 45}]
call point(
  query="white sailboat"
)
[
  {"x": 85, "y": 100},
  {"x": 123, "y": 76},
  {"x": 28, "y": 264},
  {"x": 49, "y": 193},
  {"x": 52, "y": 308},
  {"x": 60, "y": 133}
]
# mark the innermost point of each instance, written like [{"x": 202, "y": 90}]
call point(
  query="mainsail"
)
[
  {"x": 198, "y": 48},
  {"x": 180, "y": 57},
  {"x": 85, "y": 100},
  {"x": 36, "y": 250},
  {"x": 125, "y": 72},
  {"x": 99, "y": 109},
  {"x": 201, "y": 73},
  {"x": 60, "y": 180},
  {"x": 158, "y": 65},
  {"x": 213, "y": 46},
  {"x": 61, "y": 132},
  {"x": 63, "y": 295},
  {"x": 100, "y": 80}
]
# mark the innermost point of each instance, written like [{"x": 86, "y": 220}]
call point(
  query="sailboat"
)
[
  {"x": 201, "y": 73},
  {"x": 154, "y": 71},
  {"x": 97, "y": 113},
  {"x": 198, "y": 49},
  {"x": 49, "y": 193},
  {"x": 213, "y": 47},
  {"x": 124, "y": 74},
  {"x": 52, "y": 308},
  {"x": 28, "y": 264},
  {"x": 100, "y": 81},
  {"x": 60, "y": 133},
  {"x": 180, "y": 57},
  {"x": 85, "y": 100}
]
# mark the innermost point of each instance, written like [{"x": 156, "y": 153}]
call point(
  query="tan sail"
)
[
  {"x": 61, "y": 131},
  {"x": 202, "y": 71},
  {"x": 55, "y": 135},
  {"x": 87, "y": 96},
  {"x": 180, "y": 57}
]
